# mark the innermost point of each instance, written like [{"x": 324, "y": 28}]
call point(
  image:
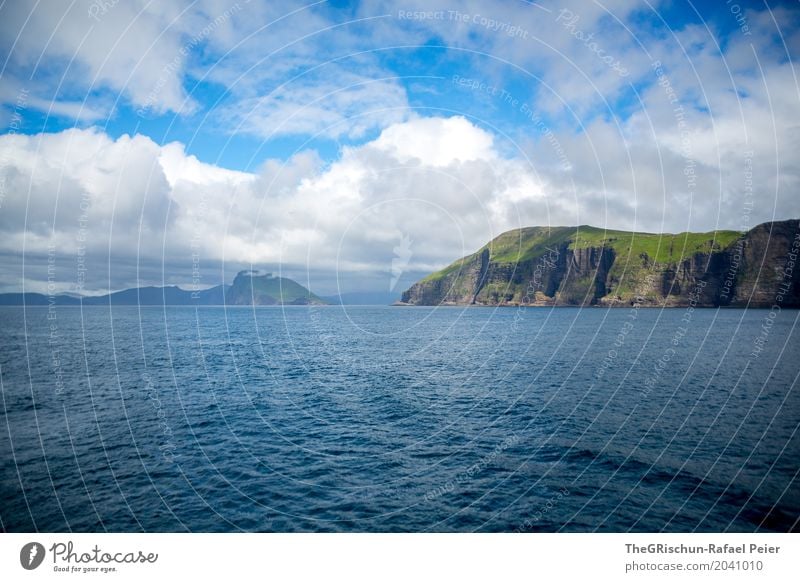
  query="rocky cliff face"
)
[{"x": 589, "y": 266}]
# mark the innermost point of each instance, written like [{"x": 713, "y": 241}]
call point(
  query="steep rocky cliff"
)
[{"x": 591, "y": 266}]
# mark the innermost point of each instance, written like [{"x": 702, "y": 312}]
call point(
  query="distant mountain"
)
[
  {"x": 363, "y": 298},
  {"x": 170, "y": 295},
  {"x": 250, "y": 288},
  {"x": 585, "y": 265},
  {"x": 37, "y": 299}
]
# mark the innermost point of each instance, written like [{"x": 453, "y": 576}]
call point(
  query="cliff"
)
[
  {"x": 591, "y": 266},
  {"x": 250, "y": 288}
]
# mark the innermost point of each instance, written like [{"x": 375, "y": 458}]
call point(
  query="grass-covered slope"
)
[
  {"x": 587, "y": 265},
  {"x": 660, "y": 248}
]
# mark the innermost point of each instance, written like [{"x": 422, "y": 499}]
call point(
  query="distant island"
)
[
  {"x": 248, "y": 288},
  {"x": 585, "y": 266}
]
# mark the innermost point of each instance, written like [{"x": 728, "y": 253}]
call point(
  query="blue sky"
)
[
  {"x": 424, "y": 70},
  {"x": 274, "y": 129}
]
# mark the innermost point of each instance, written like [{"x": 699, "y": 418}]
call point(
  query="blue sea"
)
[{"x": 375, "y": 419}]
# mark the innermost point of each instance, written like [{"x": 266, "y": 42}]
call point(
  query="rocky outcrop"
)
[
  {"x": 251, "y": 288},
  {"x": 588, "y": 266},
  {"x": 767, "y": 264}
]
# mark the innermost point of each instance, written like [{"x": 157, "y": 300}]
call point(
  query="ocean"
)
[{"x": 393, "y": 419}]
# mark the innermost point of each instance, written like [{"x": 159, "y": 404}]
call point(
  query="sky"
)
[{"x": 357, "y": 146}]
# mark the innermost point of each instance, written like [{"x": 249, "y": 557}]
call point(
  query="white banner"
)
[{"x": 378, "y": 557}]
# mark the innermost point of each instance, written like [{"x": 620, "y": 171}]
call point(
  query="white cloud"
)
[
  {"x": 440, "y": 182},
  {"x": 158, "y": 205},
  {"x": 436, "y": 141},
  {"x": 137, "y": 50},
  {"x": 340, "y": 103},
  {"x": 133, "y": 48},
  {"x": 84, "y": 56}
]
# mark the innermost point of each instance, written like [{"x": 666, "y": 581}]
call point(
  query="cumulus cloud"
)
[
  {"x": 436, "y": 181},
  {"x": 442, "y": 183}
]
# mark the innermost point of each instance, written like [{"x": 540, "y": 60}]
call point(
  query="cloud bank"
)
[{"x": 450, "y": 126}]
